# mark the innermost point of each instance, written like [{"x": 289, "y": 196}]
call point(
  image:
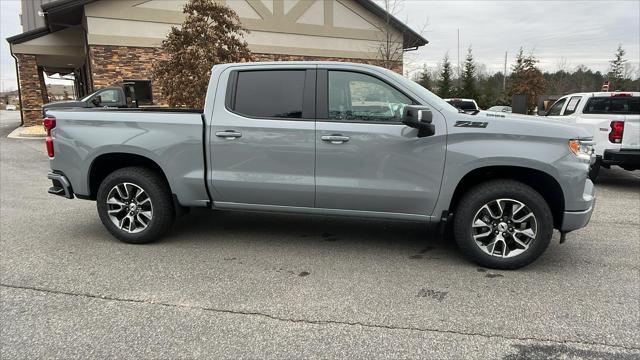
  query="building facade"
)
[{"x": 107, "y": 42}]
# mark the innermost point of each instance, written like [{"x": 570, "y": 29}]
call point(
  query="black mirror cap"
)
[
  {"x": 419, "y": 117},
  {"x": 96, "y": 101}
]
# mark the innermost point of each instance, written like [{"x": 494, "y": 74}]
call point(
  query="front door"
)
[
  {"x": 366, "y": 159},
  {"x": 262, "y": 139}
]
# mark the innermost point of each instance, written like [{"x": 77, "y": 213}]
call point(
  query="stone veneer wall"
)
[
  {"x": 31, "y": 93},
  {"x": 110, "y": 65}
]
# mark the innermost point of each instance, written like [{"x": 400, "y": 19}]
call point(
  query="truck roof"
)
[
  {"x": 289, "y": 63},
  {"x": 607, "y": 93}
]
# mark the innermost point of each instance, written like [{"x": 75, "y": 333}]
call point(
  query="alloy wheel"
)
[
  {"x": 129, "y": 207},
  {"x": 504, "y": 228}
]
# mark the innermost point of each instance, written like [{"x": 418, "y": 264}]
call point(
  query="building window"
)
[{"x": 142, "y": 91}]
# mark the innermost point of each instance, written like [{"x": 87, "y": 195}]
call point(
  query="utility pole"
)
[
  {"x": 504, "y": 74},
  {"x": 458, "y": 57}
]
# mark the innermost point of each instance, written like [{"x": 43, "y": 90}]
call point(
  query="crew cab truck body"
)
[
  {"x": 612, "y": 119},
  {"x": 330, "y": 139}
]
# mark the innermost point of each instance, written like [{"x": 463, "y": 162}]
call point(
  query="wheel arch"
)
[
  {"x": 105, "y": 164},
  {"x": 542, "y": 182}
]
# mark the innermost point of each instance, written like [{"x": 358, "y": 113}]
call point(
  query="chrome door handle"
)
[
  {"x": 229, "y": 134},
  {"x": 335, "y": 139}
]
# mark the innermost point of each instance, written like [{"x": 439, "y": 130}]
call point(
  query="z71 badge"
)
[{"x": 473, "y": 124}]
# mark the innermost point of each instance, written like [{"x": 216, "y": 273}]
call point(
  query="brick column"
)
[{"x": 31, "y": 94}]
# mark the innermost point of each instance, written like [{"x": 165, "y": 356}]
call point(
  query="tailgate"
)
[{"x": 631, "y": 134}]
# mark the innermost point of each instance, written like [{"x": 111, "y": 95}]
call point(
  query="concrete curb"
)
[{"x": 30, "y": 132}]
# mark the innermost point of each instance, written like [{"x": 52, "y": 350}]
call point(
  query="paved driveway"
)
[{"x": 271, "y": 286}]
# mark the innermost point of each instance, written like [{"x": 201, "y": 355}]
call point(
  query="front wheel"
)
[
  {"x": 503, "y": 224},
  {"x": 135, "y": 205}
]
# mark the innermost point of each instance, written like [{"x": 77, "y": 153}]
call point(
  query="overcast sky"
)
[{"x": 574, "y": 32}]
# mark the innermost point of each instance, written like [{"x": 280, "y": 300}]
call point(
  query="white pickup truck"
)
[{"x": 613, "y": 118}]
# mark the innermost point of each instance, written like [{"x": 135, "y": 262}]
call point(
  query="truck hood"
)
[{"x": 530, "y": 125}]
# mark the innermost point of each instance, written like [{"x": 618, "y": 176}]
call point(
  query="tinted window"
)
[
  {"x": 572, "y": 105},
  {"x": 142, "y": 91},
  {"x": 613, "y": 105},
  {"x": 463, "y": 105},
  {"x": 360, "y": 97},
  {"x": 270, "y": 94},
  {"x": 557, "y": 107}
]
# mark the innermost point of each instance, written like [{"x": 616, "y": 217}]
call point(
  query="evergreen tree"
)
[
  {"x": 616, "y": 72},
  {"x": 527, "y": 79},
  {"x": 424, "y": 79},
  {"x": 469, "y": 77},
  {"x": 445, "y": 83},
  {"x": 210, "y": 34}
]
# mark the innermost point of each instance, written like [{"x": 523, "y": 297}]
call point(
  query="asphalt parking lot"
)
[{"x": 231, "y": 284}]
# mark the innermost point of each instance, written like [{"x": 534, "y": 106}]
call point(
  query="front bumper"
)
[
  {"x": 574, "y": 220},
  {"x": 61, "y": 185},
  {"x": 622, "y": 157}
]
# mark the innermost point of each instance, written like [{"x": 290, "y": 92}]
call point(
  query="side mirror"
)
[
  {"x": 542, "y": 113},
  {"x": 419, "y": 117},
  {"x": 96, "y": 101}
]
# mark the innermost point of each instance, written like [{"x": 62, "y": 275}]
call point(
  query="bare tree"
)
[{"x": 391, "y": 46}]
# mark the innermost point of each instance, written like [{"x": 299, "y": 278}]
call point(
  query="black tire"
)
[
  {"x": 484, "y": 193},
  {"x": 594, "y": 170},
  {"x": 158, "y": 192}
]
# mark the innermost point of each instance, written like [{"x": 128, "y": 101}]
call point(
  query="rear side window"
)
[
  {"x": 613, "y": 105},
  {"x": 270, "y": 94}
]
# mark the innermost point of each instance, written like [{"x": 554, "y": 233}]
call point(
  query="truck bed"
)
[{"x": 172, "y": 138}]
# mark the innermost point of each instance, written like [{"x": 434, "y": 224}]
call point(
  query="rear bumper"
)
[
  {"x": 574, "y": 220},
  {"x": 61, "y": 185},
  {"x": 622, "y": 157}
]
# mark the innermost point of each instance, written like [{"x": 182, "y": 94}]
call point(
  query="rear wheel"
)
[
  {"x": 503, "y": 224},
  {"x": 135, "y": 205}
]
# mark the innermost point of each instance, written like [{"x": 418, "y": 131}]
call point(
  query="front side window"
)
[
  {"x": 108, "y": 97},
  {"x": 360, "y": 97},
  {"x": 557, "y": 107},
  {"x": 270, "y": 93}
]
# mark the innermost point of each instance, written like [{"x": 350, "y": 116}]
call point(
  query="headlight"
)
[{"x": 581, "y": 148}]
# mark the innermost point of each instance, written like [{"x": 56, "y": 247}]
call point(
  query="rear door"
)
[
  {"x": 263, "y": 137},
  {"x": 366, "y": 159}
]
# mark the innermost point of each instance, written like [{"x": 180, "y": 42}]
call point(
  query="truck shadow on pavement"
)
[{"x": 306, "y": 232}]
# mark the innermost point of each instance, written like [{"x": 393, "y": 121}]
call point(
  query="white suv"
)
[{"x": 613, "y": 118}]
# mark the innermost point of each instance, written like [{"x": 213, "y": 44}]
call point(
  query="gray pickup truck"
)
[{"x": 329, "y": 139}]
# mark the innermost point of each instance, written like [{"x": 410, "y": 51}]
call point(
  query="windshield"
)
[{"x": 431, "y": 98}]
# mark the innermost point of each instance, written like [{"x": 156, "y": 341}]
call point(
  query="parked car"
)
[
  {"x": 612, "y": 119},
  {"x": 505, "y": 109},
  {"x": 296, "y": 137},
  {"x": 466, "y": 105},
  {"x": 109, "y": 97},
  {"x": 11, "y": 108}
]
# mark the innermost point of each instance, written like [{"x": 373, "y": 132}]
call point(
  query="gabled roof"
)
[{"x": 61, "y": 12}]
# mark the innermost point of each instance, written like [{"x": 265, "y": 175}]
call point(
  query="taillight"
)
[
  {"x": 621, "y": 94},
  {"x": 617, "y": 129},
  {"x": 49, "y": 123}
]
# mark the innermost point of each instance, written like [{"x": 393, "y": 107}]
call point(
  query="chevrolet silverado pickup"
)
[
  {"x": 612, "y": 119},
  {"x": 332, "y": 139}
]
